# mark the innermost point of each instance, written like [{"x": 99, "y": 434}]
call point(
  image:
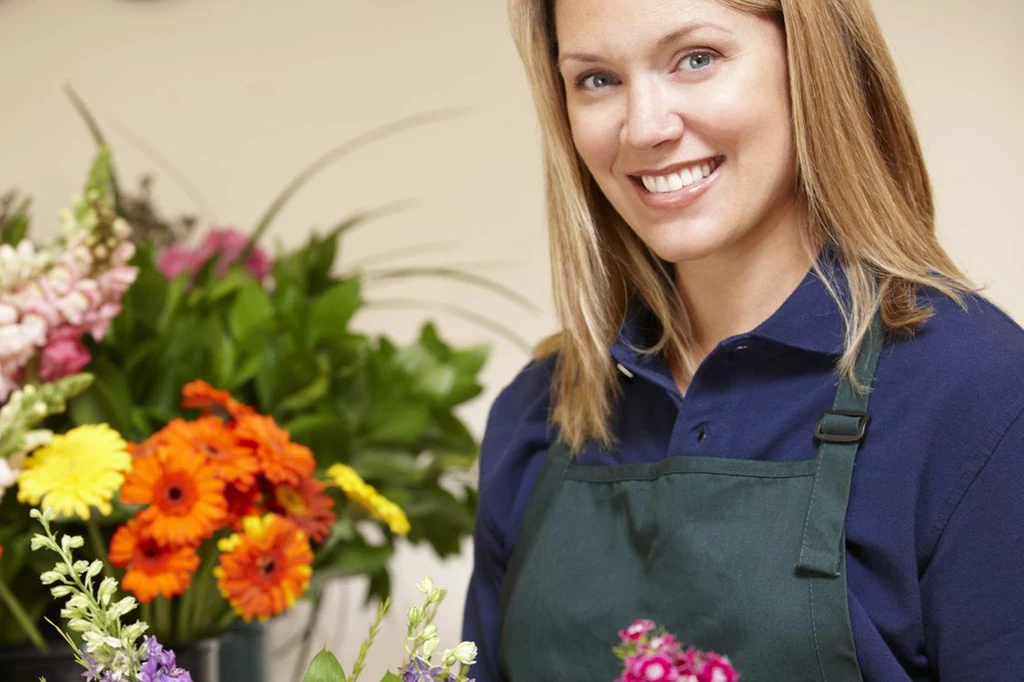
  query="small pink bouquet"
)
[{"x": 650, "y": 654}]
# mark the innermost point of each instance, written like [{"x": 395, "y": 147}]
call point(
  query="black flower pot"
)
[{"x": 26, "y": 664}]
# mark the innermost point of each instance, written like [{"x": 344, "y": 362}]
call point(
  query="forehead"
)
[{"x": 593, "y": 24}]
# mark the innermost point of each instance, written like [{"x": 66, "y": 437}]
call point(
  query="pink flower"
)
[
  {"x": 64, "y": 354},
  {"x": 113, "y": 283},
  {"x": 637, "y": 630},
  {"x": 663, "y": 644},
  {"x": 717, "y": 669},
  {"x": 657, "y": 668},
  {"x": 224, "y": 243},
  {"x": 175, "y": 260}
]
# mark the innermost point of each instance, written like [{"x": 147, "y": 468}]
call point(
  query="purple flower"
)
[
  {"x": 159, "y": 664},
  {"x": 419, "y": 670},
  {"x": 92, "y": 668}
]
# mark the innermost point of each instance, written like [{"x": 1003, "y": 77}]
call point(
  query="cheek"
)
[
  {"x": 595, "y": 138},
  {"x": 752, "y": 124}
]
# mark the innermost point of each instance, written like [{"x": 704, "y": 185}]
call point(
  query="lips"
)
[{"x": 679, "y": 186}]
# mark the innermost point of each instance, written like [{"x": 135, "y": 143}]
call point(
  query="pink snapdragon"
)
[
  {"x": 225, "y": 243},
  {"x": 64, "y": 354},
  {"x": 76, "y": 290},
  {"x": 652, "y": 655}
]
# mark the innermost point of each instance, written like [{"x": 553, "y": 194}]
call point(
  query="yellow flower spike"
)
[
  {"x": 366, "y": 496},
  {"x": 76, "y": 471}
]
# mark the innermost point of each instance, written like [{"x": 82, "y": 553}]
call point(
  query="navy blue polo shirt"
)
[{"x": 935, "y": 524}]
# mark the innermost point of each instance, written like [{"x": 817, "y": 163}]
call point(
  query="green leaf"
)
[
  {"x": 332, "y": 310},
  {"x": 251, "y": 313},
  {"x": 356, "y": 558},
  {"x": 101, "y": 177},
  {"x": 175, "y": 294},
  {"x": 430, "y": 376},
  {"x": 324, "y": 668},
  {"x": 15, "y": 228},
  {"x": 247, "y": 370},
  {"x": 397, "y": 423},
  {"x": 306, "y": 397},
  {"x": 390, "y": 677},
  {"x": 326, "y": 434},
  {"x": 397, "y": 467}
]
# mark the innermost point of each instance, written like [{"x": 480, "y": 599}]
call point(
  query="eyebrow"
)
[{"x": 665, "y": 40}]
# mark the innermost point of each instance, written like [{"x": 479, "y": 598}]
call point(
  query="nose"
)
[{"x": 652, "y": 116}]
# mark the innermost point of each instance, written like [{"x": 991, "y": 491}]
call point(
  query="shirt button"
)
[{"x": 701, "y": 432}]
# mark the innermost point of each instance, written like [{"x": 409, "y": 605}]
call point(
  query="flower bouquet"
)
[
  {"x": 650, "y": 654},
  {"x": 286, "y": 456},
  {"x": 111, "y": 650}
]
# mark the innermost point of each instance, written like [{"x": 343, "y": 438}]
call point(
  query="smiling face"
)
[{"x": 680, "y": 110}]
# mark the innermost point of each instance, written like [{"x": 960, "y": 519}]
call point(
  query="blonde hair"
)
[{"x": 861, "y": 178}]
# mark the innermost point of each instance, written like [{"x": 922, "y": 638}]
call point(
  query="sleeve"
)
[
  {"x": 480, "y": 622},
  {"x": 514, "y": 442},
  {"x": 973, "y": 587}
]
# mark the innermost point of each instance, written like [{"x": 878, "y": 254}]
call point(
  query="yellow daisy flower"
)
[
  {"x": 367, "y": 497},
  {"x": 78, "y": 470}
]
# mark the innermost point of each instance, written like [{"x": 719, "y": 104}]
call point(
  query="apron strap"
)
[{"x": 840, "y": 432}]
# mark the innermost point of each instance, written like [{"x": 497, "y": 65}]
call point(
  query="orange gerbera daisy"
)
[
  {"x": 233, "y": 461},
  {"x": 243, "y": 502},
  {"x": 281, "y": 460},
  {"x": 152, "y": 569},
  {"x": 202, "y": 396},
  {"x": 265, "y": 568},
  {"x": 306, "y": 505},
  {"x": 185, "y": 498}
]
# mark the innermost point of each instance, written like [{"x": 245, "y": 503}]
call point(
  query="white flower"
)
[
  {"x": 464, "y": 653},
  {"x": 8, "y": 475}
]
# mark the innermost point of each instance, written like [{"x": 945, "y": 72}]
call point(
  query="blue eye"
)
[
  {"x": 596, "y": 81},
  {"x": 697, "y": 61}
]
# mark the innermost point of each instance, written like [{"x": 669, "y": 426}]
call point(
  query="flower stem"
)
[
  {"x": 357, "y": 667},
  {"x": 98, "y": 546},
  {"x": 26, "y": 624}
]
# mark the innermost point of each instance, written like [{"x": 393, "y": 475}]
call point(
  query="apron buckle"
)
[{"x": 838, "y": 426}]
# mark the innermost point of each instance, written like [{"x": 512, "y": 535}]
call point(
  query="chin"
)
[{"x": 676, "y": 243}]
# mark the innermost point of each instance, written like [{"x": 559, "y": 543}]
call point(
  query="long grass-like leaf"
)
[
  {"x": 165, "y": 164},
  {"x": 345, "y": 225},
  {"x": 456, "y": 311},
  {"x": 459, "y": 275},
  {"x": 400, "y": 252},
  {"x": 333, "y": 155},
  {"x": 98, "y": 138}
]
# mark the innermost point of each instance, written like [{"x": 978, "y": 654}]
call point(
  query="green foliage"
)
[
  {"x": 287, "y": 350},
  {"x": 324, "y": 668}
]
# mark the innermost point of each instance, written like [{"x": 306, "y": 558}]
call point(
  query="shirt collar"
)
[{"x": 809, "y": 319}]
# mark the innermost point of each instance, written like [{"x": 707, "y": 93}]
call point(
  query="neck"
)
[{"x": 734, "y": 291}]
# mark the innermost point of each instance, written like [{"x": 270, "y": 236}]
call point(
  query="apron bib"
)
[{"x": 743, "y": 557}]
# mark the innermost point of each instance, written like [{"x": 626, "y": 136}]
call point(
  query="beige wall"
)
[{"x": 239, "y": 94}]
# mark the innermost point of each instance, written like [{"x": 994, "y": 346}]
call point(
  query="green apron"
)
[{"x": 743, "y": 557}]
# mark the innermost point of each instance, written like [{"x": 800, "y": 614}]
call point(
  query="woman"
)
[{"x": 742, "y": 240}]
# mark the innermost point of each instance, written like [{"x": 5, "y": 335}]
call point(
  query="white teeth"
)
[{"x": 673, "y": 182}]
